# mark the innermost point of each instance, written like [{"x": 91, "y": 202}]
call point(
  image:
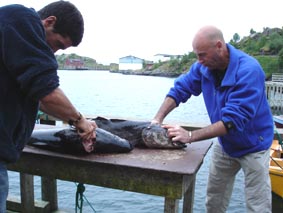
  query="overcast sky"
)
[{"x": 143, "y": 28}]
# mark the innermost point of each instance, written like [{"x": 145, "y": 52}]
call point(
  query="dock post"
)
[
  {"x": 49, "y": 192},
  {"x": 27, "y": 193}
]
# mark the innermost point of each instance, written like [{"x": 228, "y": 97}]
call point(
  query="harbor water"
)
[{"x": 101, "y": 93}]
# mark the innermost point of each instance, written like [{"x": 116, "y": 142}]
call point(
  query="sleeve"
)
[
  {"x": 27, "y": 57},
  {"x": 186, "y": 85}
]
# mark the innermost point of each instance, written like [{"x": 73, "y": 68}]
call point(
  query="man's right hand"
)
[{"x": 86, "y": 129}]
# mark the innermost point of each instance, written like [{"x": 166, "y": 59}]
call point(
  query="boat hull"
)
[
  {"x": 276, "y": 169},
  {"x": 278, "y": 121}
]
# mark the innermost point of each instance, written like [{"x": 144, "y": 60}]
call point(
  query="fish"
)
[
  {"x": 67, "y": 140},
  {"x": 127, "y": 129},
  {"x": 112, "y": 136},
  {"x": 141, "y": 134},
  {"x": 154, "y": 136}
]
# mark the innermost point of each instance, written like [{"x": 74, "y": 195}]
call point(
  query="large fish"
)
[
  {"x": 112, "y": 136},
  {"x": 139, "y": 133},
  {"x": 67, "y": 140}
]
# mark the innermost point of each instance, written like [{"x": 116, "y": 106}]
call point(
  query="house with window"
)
[{"x": 130, "y": 63}]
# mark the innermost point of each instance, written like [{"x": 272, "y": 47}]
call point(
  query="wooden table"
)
[{"x": 167, "y": 173}]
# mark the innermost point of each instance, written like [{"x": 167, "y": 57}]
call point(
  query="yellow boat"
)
[{"x": 276, "y": 168}]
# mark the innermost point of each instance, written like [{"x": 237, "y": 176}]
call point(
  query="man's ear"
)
[{"x": 49, "y": 21}]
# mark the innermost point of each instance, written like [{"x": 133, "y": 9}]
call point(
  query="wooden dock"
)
[{"x": 167, "y": 173}]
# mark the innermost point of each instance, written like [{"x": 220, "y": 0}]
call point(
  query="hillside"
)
[
  {"x": 86, "y": 62},
  {"x": 265, "y": 46}
]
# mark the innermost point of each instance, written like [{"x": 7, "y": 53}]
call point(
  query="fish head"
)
[
  {"x": 155, "y": 136},
  {"x": 73, "y": 141},
  {"x": 72, "y": 137}
]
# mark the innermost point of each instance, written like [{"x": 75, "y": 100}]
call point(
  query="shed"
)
[{"x": 130, "y": 63}]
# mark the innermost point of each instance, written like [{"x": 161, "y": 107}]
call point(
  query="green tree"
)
[
  {"x": 236, "y": 37},
  {"x": 276, "y": 43},
  {"x": 252, "y": 31}
]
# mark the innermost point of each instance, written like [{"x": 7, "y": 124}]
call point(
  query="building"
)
[
  {"x": 130, "y": 63},
  {"x": 74, "y": 64},
  {"x": 164, "y": 57}
]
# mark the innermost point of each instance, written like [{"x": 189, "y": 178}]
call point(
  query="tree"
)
[
  {"x": 252, "y": 31},
  {"x": 236, "y": 38}
]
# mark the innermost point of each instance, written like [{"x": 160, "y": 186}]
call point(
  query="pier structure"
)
[{"x": 274, "y": 93}]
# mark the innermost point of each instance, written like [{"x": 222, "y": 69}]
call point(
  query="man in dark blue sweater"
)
[{"x": 28, "y": 76}]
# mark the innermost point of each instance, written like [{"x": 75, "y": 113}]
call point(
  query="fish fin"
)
[{"x": 100, "y": 118}]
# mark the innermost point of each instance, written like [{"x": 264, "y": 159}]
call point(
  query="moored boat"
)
[
  {"x": 278, "y": 121},
  {"x": 276, "y": 168}
]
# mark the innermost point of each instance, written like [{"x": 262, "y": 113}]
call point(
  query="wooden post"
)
[
  {"x": 27, "y": 193},
  {"x": 49, "y": 192},
  {"x": 171, "y": 205}
]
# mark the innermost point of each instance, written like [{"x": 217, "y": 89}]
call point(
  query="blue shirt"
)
[
  {"x": 240, "y": 99},
  {"x": 28, "y": 72}
]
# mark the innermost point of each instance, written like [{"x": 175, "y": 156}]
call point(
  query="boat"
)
[
  {"x": 276, "y": 167},
  {"x": 278, "y": 121}
]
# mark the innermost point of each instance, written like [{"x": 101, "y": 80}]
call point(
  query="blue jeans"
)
[{"x": 4, "y": 186}]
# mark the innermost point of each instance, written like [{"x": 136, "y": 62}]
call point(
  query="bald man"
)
[{"x": 233, "y": 87}]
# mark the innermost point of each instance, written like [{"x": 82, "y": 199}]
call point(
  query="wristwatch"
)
[{"x": 74, "y": 122}]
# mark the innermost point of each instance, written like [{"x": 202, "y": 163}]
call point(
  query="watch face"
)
[{"x": 229, "y": 125}]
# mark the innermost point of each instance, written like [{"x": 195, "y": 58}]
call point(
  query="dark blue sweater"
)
[{"x": 28, "y": 72}]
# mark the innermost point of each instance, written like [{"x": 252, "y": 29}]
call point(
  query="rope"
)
[
  {"x": 276, "y": 163},
  {"x": 80, "y": 198},
  {"x": 39, "y": 114}
]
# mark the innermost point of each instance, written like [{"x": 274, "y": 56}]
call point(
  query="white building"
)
[
  {"x": 164, "y": 57},
  {"x": 130, "y": 63}
]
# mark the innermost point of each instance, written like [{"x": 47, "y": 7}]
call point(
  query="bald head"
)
[
  {"x": 208, "y": 35},
  {"x": 210, "y": 48}
]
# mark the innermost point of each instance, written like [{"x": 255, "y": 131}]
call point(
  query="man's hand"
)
[
  {"x": 178, "y": 133},
  {"x": 86, "y": 129}
]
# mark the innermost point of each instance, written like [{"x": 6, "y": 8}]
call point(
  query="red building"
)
[{"x": 74, "y": 64}]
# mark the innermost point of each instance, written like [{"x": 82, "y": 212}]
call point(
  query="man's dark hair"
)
[{"x": 69, "y": 20}]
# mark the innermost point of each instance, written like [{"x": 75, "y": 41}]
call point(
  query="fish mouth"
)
[{"x": 88, "y": 145}]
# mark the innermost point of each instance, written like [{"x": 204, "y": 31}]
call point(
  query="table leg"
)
[
  {"x": 171, "y": 205},
  {"x": 189, "y": 197}
]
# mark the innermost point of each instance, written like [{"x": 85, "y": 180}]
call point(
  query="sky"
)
[{"x": 144, "y": 28}]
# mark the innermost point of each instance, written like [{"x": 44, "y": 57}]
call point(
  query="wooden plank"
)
[
  {"x": 14, "y": 204},
  {"x": 277, "y": 77}
]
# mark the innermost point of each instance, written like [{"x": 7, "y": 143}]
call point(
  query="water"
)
[{"x": 110, "y": 95}]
